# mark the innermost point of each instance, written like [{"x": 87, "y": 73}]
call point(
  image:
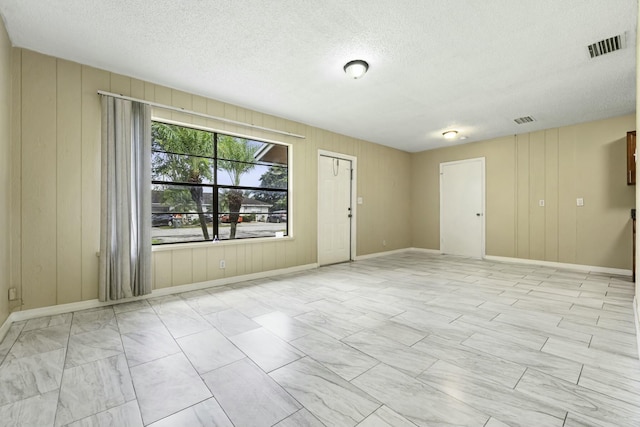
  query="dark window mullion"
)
[
  {"x": 242, "y": 187},
  {"x": 181, "y": 154},
  {"x": 215, "y": 200}
]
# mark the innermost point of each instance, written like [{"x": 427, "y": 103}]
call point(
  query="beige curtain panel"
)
[{"x": 125, "y": 223}]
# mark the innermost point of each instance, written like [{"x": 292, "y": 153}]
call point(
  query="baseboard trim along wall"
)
[
  {"x": 575, "y": 267},
  {"x": 53, "y": 310},
  {"x": 567, "y": 266},
  {"x": 379, "y": 254}
]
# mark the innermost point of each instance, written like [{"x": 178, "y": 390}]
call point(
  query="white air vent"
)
[
  {"x": 607, "y": 45},
  {"x": 523, "y": 120}
]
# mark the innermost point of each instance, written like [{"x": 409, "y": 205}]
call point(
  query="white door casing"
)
[
  {"x": 462, "y": 207},
  {"x": 335, "y": 208}
]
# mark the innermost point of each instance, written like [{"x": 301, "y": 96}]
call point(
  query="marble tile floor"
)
[{"x": 409, "y": 339}]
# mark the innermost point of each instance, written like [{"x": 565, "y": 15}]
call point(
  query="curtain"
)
[{"x": 125, "y": 221}]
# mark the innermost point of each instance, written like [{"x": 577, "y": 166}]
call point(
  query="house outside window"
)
[{"x": 210, "y": 186}]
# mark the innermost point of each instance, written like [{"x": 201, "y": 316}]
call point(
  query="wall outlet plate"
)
[
  {"x": 223, "y": 264},
  {"x": 579, "y": 201}
]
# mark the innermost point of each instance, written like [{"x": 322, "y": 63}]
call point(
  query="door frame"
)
[
  {"x": 354, "y": 186},
  {"x": 482, "y": 198}
]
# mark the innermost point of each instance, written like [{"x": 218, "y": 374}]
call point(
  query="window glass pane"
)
[
  {"x": 251, "y": 229},
  {"x": 272, "y": 154},
  {"x": 254, "y": 176},
  {"x": 271, "y": 200},
  {"x": 255, "y": 214},
  {"x": 239, "y": 149},
  {"x": 180, "y": 139},
  {"x": 251, "y": 175},
  {"x": 182, "y": 228},
  {"x": 181, "y": 168},
  {"x": 178, "y": 198}
]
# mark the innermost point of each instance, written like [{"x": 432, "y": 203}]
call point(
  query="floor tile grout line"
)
[{"x": 124, "y": 352}]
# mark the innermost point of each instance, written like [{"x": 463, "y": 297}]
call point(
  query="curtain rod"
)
[{"x": 195, "y": 113}]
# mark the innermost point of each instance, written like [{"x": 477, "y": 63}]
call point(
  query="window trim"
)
[{"x": 289, "y": 190}]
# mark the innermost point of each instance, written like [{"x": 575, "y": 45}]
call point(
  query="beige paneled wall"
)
[
  {"x": 56, "y": 182},
  {"x": 557, "y": 166},
  {"x": 5, "y": 170}
]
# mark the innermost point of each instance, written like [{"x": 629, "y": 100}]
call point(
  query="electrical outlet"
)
[
  {"x": 384, "y": 243},
  {"x": 579, "y": 201},
  {"x": 223, "y": 264},
  {"x": 13, "y": 294}
]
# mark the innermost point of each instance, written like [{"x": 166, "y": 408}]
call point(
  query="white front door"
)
[
  {"x": 462, "y": 208},
  {"x": 334, "y": 209}
]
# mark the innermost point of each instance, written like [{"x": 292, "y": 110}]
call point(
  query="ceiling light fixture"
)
[
  {"x": 450, "y": 134},
  {"x": 356, "y": 69}
]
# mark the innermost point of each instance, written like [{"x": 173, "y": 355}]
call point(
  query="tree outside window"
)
[{"x": 206, "y": 185}]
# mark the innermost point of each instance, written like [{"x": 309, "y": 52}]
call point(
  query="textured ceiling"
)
[{"x": 435, "y": 65}]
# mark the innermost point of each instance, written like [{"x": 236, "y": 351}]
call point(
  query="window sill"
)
[{"x": 198, "y": 245}]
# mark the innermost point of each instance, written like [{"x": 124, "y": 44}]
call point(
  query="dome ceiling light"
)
[
  {"x": 450, "y": 134},
  {"x": 356, "y": 69}
]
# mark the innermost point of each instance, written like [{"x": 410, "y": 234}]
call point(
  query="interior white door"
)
[
  {"x": 462, "y": 208},
  {"x": 335, "y": 213}
]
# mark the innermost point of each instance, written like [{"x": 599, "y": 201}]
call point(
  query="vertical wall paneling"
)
[
  {"x": 500, "y": 191},
  {"x": 16, "y": 176},
  {"x": 256, "y": 259},
  {"x": 92, "y": 80},
  {"x": 5, "y": 170},
  {"x": 523, "y": 198},
  {"x": 120, "y": 84},
  {"x": 567, "y": 193},
  {"x": 163, "y": 274},
  {"x": 281, "y": 255},
  {"x": 233, "y": 257},
  {"x": 551, "y": 192},
  {"x": 214, "y": 254},
  {"x": 39, "y": 191},
  {"x": 137, "y": 88},
  {"x": 181, "y": 100},
  {"x": 199, "y": 264},
  {"x": 199, "y": 104},
  {"x": 586, "y": 160},
  {"x": 182, "y": 267},
  {"x": 69, "y": 181},
  {"x": 268, "y": 256},
  {"x": 536, "y": 193},
  {"x": 149, "y": 91}
]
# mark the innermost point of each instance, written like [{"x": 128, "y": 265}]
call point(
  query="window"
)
[{"x": 208, "y": 185}]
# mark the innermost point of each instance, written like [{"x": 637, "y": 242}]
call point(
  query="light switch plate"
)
[{"x": 541, "y": 203}]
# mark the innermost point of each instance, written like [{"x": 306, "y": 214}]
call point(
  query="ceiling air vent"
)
[
  {"x": 523, "y": 120},
  {"x": 607, "y": 46}
]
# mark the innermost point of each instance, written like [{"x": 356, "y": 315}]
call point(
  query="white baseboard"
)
[
  {"x": 636, "y": 321},
  {"x": 576, "y": 267},
  {"x": 230, "y": 280},
  {"x": 53, "y": 310},
  {"x": 379, "y": 254}
]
